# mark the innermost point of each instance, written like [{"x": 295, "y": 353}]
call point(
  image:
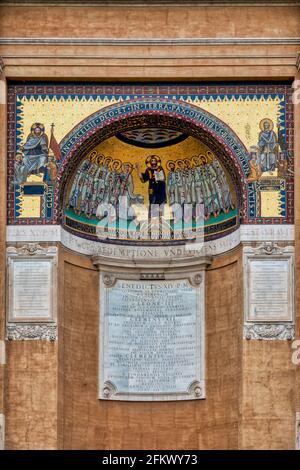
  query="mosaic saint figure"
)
[
  {"x": 52, "y": 168},
  {"x": 282, "y": 165},
  {"x": 255, "y": 168},
  {"x": 268, "y": 145},
  {"x": 20, "y": 169},
  {"x": 35, "y": 150},
  {"x": 156, "y": 178}
]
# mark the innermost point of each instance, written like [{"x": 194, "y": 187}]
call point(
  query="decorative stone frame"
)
[
  {"x": 34, "y": 326},
  {"x": 268, "y": 327},
  {"x": 154, "y": 270}
]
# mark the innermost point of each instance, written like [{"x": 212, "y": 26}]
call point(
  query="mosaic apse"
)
[
  {"x": 41, "y": 119},
  {"x": 123, "y": 191}
]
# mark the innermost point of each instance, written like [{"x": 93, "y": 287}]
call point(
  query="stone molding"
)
[
  {"x": 158, "y": 3},
  {"x": 55, "y": 233},
  {"x": 54, "y": 41}
]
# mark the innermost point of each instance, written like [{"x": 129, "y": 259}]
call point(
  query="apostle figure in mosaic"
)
[
  {"x": 80, "y": 175},
  {"x": 223, "y": 190},
  {"x": 172, "y": 188},
  {"x": 198, "y": 183},
  {"x": 189, "y": 184},
  {"x": 268, "y": 146},
  {"x": 87, "y": 191},
  {"x": 100, "y": 188},
  {"x": 180, "y": 181},
  {"x": 127, "y": 197},
  {"x": 211, "y": 198},
  {"x": 115, "y": 181},
  {"x": 107, "y": 180},
  {"x": 198, "y": 187}
]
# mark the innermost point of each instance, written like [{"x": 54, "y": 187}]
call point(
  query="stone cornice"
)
[
  {"x": 54, "y": 41},
  {"x": 157, "y": 3}
]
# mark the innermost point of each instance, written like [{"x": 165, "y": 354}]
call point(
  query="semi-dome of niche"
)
[{"x": 127, "y": 191}]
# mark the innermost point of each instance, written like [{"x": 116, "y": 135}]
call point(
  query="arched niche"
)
[{"x": 165, "y": 114}]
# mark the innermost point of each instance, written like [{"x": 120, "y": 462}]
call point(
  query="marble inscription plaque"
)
[
  {"x": 269, "y": 285},
  {"x": 269, "y": 289},
  {"x": 30, "y": 290},
  {"x": 152, "y": 346}
]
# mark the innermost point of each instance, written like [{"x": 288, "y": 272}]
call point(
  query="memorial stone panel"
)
[
  {"x": 269, "y": 292},
  {"x": 31, "y": 287},
  {"x": 32, "y": 284},
  {"x": 152, "y": 345}
]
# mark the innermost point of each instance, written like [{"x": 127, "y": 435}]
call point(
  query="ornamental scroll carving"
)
[{"x": 20, "y": 332}]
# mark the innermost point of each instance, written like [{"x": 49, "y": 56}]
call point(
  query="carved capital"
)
[
  {"x": 24, "y": 332},
  {"x": 31, "y": 249},
  {"x": 269, "y": 331},
  {"x": 268, "y": 248}
]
